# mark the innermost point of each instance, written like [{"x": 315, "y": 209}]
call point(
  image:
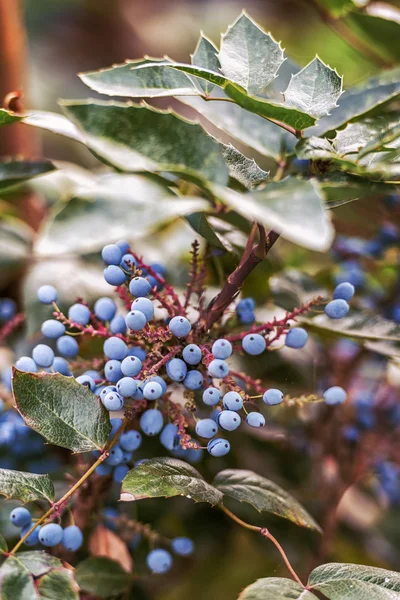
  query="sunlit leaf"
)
[{"x": 26, "y": 487}]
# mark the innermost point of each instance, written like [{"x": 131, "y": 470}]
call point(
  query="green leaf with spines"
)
[
  {"x": 62, "y": 410},
  {"x": 142, "y": 138},
  {"x": 276, "y": 588},
  {"x": 15, "y": 581},
  {"x": 263, "y": 495},
  {"x": 7, "y": 117},
  {"x": 26, "y": 487},
  {"x": 293, "y": 207},
  {"x": 38, "y": 562},
  {"x": 58, "y": 584},
  {"x": 206, "y": 56},
  {"x": 117, "y": 206},
  {"x": 55, "y": 123},
  {"x": 249, "y": 56},
  {"x": 357, "y": 325},
  {"x": 166, "y": 477},
  {"x": 102, "y": 577},
  {"x": 243, "y": 169},
  {"x": 18, "y": 171},
  {"x": 340, "y": 188},
  {"x": 339, "y": 581},
  {"x": 198, "y": 222},
  {"x": 315, "y": 89}
]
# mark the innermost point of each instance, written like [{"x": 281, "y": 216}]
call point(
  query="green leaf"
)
[
  {"x": 118, "y": 206},
  {"x": 167, "y": 477},
  {"x": 206, "y": 56},
  {"x": 243, "y": 169},
  {"x": 7, "y": 118},
  {"x": 337, "y": 8},
  {"x": 340, "y": 188},
  {"x": 360, "y": 100},
  {"x": 198, "y": 222},
  {"x": 246, "y": 127},
  {"x": 26, "y": 487},
  {"x": 358, "y": 325},
  {"x": 64, "y": 412},
  {"x": 102, "y": 577},
  {"x": 58, "y": 585},
  {"x": 263, "y": 495},
  {"x": 38, "y": 562},
  {"x": 15, "y": 172},
  {"x": 249, "y": 56},
  {"x": 355, "y": 582},
  {"x": 3, "y": 545},
  {"x": 15, "y": 245},
  {"x": 16, "y": 582},
  {"x": 380, "y": 33},
  {"x": 130, "y": 80},
  {"x": 315, "y": 89},
  {"x": 55, "y": 123},
  {"x": 276, "y": 588},
  {"x": 141, "y": 138},
  {"x": 293, "y": 207}
]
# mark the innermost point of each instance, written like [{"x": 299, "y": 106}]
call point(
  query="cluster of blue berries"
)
[
  {"x": 48, "y": 535},
  {"x": 160, "y": 560},
  {"x": 245, "y": 311},
  {"x": 339, "y": 307}
]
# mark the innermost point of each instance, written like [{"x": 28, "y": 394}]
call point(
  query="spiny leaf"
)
[
  {"x": 315, "y": 89},
  {"x": 58, "y": 584},
  {"x": 7, "y": 117},
  {"x": 249, "y": 56},
  {"x": 206, "y": 56},
  {"x": 243, "y": 169},
  {"x": 263, "y": 494},
  {"x": 62, "y": 410},
  {"x": 26, "y": 487},
  {"x": 16, "y": 582},
  {"x": 358, "y": 325},
  {"x": 276, "y": 588},
  {"x": 38, "y": 562},
  {"x": 340, "y": 188},
  {"x": 167, "y": 477},
  {"x": 18, "y": 171},
  {"x": 355, "y": 582},
  {"x": 55, "y": 123},
  {"x": 102, "y": 577},
  {"x": 140, "y": 138}
]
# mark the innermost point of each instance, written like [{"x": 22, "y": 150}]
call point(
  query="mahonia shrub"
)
[{"x": 148, "y": 359}]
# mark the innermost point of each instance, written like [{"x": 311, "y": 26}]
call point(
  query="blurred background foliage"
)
[{"x": 64, "y": 37}]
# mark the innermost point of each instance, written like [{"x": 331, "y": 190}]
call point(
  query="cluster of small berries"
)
[{"x": 49, "y": 535}]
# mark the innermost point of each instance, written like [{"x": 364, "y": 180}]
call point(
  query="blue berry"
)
[
  {"x": 33, "y": 538},
  {"x": 255, "y": 419},
  {"x": 211, "y": 396},
  {"x": 273, "y": 397},
  {"x": 194, "y": 380},
  {"x": 68, "y": 346},
  {"x": 51, "y": 534},
  {"x": 182, "y": 546},
  {"x": 159, "y": 268},
  {"x": 145, "y": 306},
  {"x": 152, "y": 390},
  {"x": 337, "y": 309},
  {"x": 127, "y": 262},
  {"x": 334, "y": 395},
  {"x": 222, "y": 349},
  {"x": 106, "y": 390},
  {"x": 53, "y": 329},
  {"x": 111, "y": 254},
  {"x": 191, "y": 354},
  {"x": 79, "y": 313},
  {"x": 176, "y": 369},
  {"x": 115, "y": 348},
  {"x": 118, "y": 325},
  {"x": 135, "y": 320},
  {"x": 8, "y": 308},
  {"x": 47, "y": 294},
  {"x": 105, "y": 309},
  {"x": 60, "y": 365},
  {"x": 206, "y": 428},
  {"x": 232, "y": 401},
  {"x": 123, "y": 245},
  {"x": 116, "y": 456},
  {"x": 72, "y": 538},
  {"x": 103, "y": 470},
  {"x": 126, "y": 386},
  {"x": 246, "y": 304},
  {"x": 20, "y": 516},
  {"x": 254, "y": 344},
  {"x": 114, "y": 275},
  {"x": 151, "y": 421},
  {"x": 169, "y": 437},
  {"x": 26, "y": 364},
  {"x": 43, "y": 355},
  {"x": 138, "y": 395},
  {"x": 179, "y": 326},
  {"x": 246, "y": 317},
  {"x": 159, "y": 561},
  {"x": 112, "y": 371},
  {"x": 139, "y": 287},
  {"x": 113, "y": 401},
  {"x": 120, "y": 472},
  {"x": 137, "y": 351},
  {"x": 126, "y": 457},
  {"x": 296, "y": 337},
  {"x": 131, "y": 366},
  {"x": 228, "y": 420},
  {"x": 218, "y": 368},
  {"x": 344, "y": 291},
  {"x": 159, "y": 380},
  {"x": 87, "y": 381},
  {"x": 130, "y": 440},
  {"x": 218, "y": 447}
]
